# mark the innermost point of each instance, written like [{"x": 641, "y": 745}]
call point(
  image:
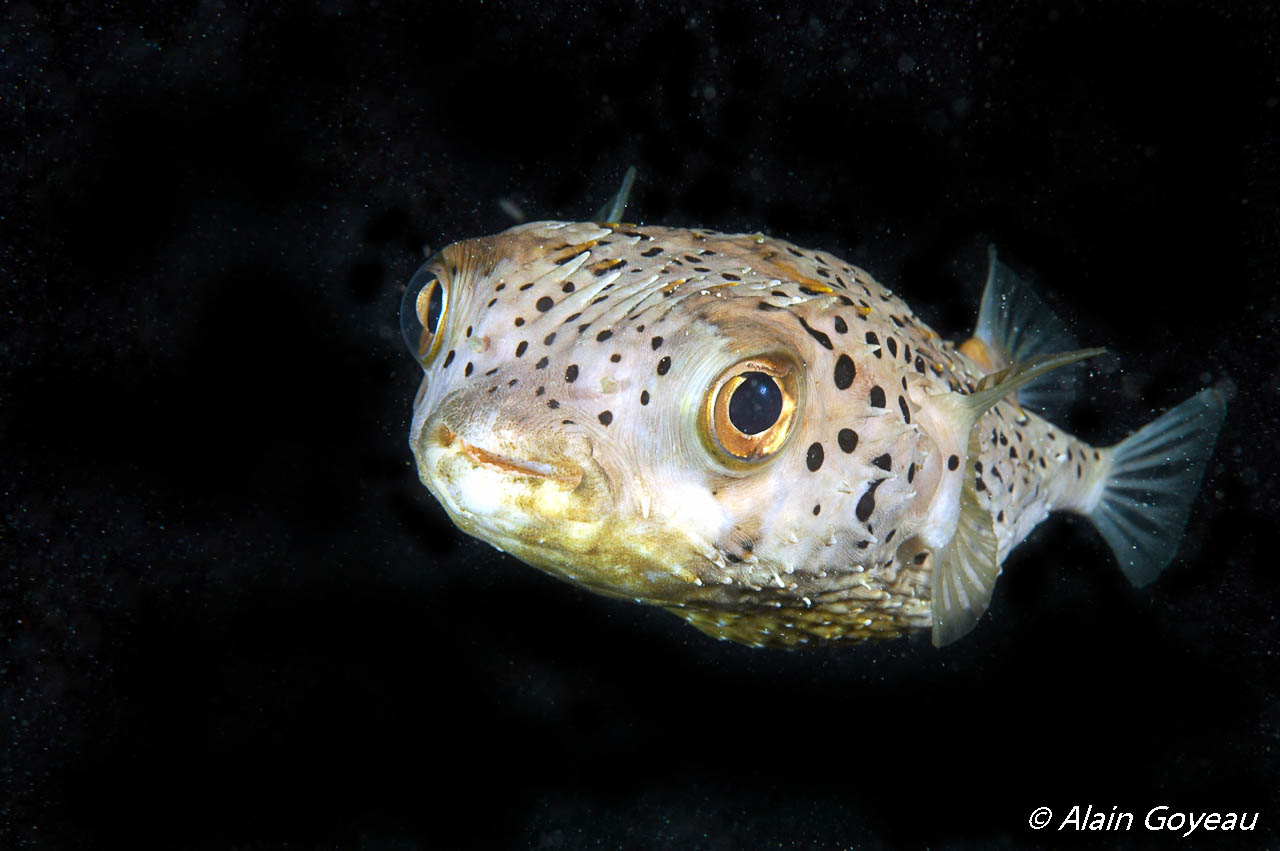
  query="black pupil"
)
[
  {"x": 756, "y": 403},
  {"x": 435, "y": 304}
]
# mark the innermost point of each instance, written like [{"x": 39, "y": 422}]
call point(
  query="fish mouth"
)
[{"x": 566, "y": 474}]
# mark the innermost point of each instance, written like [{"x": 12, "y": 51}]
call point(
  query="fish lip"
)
[{"x": 567, "y": 474}]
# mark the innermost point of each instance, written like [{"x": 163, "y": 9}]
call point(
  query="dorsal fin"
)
[
  {"x": 614, "y": 208},
  {"x": 1015, "y": 326}
]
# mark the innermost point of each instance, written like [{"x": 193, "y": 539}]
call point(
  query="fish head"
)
[{"x": 649, "y": 431}]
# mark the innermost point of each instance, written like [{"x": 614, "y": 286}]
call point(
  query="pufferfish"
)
[{"x": 761, "y": 438}]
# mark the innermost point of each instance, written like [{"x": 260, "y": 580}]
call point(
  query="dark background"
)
[{"x": 231, "y": 617}]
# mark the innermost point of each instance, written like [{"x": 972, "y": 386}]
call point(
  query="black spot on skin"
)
[
  {"x": 542, "y": 364},
  {"x": 603, "y": 335},
  {"x": 848, "y": 440},
  {"x": 884, "y": 462},
  {"x": 540, "y": 391},
  {"x": 811, "y": 291},
  {"x": 980, "y": 485},
  {"x": 524, "y": 287},
  {"x": 817, "y": 509},
  {"x": 605, "y": 417},
  {"x": 519, "y": 321},
  {"x": 845, "y": 372},
  {"x": 977, "y": 466},
  {"x": 448, "y": 359},
  {"x": 867, "y": 502},
  {"x": 568, "y": 287},
  {"x": 841, "y": 326},
  {"x": 887, "y": 539},
  {"x": 953, "y": 462},
  {"x": 615, "y": 357},
  {"x": 911, "y": 472},
  {"x": 656, "y": 342},
  {"x": 862, "y": 545},
  {"x": 553, "y": 404},
  {"x": 644, "y": 397},
  {"x": 813, "y": 458},
  {"x": 469, "y": 369},
  {"x": 877, "y": 397},
  {"x": 520, "y": 348},
  {"x": 814, "y": 333},
  {"x": 549, "y": 339},
  {"x": 893, "y": 346},
  {"x": 906, "y": 412},
  {"x": 873, "y": 340},
  {"x": 729, "y": 276},
  {"x": 571, "y": 374},
  {"x": 664, "y": 365},
  {"x": 1000, "y": 517},
  {"x": 651, "y": 252},
  {"x": 544, "y": 304}
]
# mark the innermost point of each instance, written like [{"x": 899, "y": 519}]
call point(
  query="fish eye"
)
[
  {"x": 749, "y": 409},
  {"x": 755, "y": 403},
  {"x": 422, "y": 309}
]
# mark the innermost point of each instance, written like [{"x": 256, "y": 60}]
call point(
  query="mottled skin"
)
[{"x": 585, "y": 454}]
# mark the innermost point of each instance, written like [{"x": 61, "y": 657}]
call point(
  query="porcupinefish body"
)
[{"x": 762, "y": 438}]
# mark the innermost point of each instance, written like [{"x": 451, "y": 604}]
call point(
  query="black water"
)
[{"x": 232, "y": 618}]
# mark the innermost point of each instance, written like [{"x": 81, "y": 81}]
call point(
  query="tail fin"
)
[{"x": 1155, "y": 473}]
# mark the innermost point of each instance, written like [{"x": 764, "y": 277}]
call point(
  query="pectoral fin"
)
[
  {"x": 615, "y": 206},
  {"x": 966, "y": 571},
  {"x": 967, "y": 566}
]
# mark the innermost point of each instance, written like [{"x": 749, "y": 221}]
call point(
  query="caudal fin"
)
[{"x": 1155, "y": 473}]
